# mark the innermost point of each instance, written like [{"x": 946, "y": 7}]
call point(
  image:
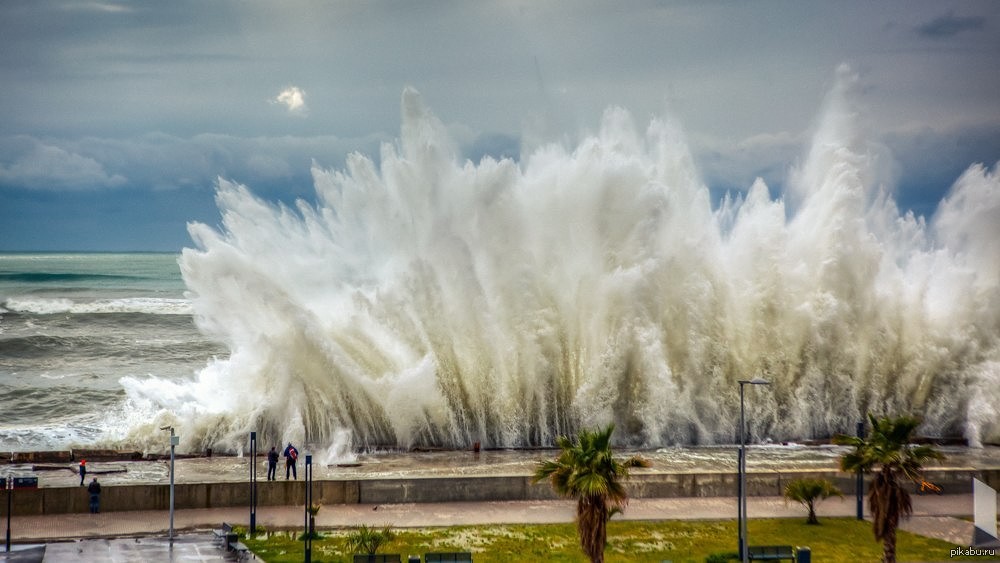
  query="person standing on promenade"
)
[
  {"x": 95, "y": 496},
  {"x": 291, "y": 454},
  {"x": 83, "y": 470},
  {"x": 272, "y": 464}
]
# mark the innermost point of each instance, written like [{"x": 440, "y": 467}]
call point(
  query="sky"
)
[{"x": 118, "y": 118}]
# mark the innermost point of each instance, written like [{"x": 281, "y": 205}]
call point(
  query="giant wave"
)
[{"x": 427, "y": 300}]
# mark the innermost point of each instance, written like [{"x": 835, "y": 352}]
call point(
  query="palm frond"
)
[
  {"x": 888, "y": 452},
  {"x": 586, "y": 469}
]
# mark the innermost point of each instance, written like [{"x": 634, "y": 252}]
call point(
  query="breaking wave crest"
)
[{"x": 140, "y": 305}]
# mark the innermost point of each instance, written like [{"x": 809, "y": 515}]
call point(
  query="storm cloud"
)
[
  {"x": 950, "y": 24},
  {"x": 119, "y": 118}
]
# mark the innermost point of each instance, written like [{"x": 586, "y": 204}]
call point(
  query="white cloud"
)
[
  {"x": 50, "y": 167},
  {"x": 164, "y": 162},
  {"x": 294, "y": 98}
]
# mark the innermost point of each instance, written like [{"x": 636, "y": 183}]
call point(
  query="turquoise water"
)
[{"x": 90, "y": 277}]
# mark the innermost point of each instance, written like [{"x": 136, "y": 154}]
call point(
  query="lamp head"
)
[{"x": 754, "y": 381}]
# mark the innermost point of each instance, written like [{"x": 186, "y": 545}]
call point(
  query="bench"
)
[
  {"x": 234, "y": 544},
  {"x": 231, "y": 541},
  {"x": 221, "y": 533},
  {"x": 378, "y": 558},
  {"x": 456, "y": 557},
  {"x": 771, "y": 552}
]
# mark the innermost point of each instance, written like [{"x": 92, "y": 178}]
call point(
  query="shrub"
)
[
  {"x": 810, "y": 491},
  {"x": 368, "y": 540}
]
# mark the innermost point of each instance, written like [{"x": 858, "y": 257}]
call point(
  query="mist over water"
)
[{"x": 426, "y": 300}]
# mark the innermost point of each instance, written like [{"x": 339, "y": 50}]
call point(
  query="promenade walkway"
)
[{"x": 934, "y": 516}]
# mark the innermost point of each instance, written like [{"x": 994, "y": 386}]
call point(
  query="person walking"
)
[
  {"x": 272, "y": 464},
  {"x": 291, "y": 454},
  {"x": 83, "y": 470},
  {"x": 95, "y": 496}
]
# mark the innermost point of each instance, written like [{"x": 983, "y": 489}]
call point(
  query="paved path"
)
[
  {"x": 116, "y": 537},
  {"x": 189, "y": 548},
  {"x": 931, "y": 514}
]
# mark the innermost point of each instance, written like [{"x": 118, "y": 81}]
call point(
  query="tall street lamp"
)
[
  {"x": 742, "y": 468},
  {"x": 309, "y": 503},
  {"x": 174, "y": 440},
  {"x": 9, "y": 485},
  {"x": 253, "y": 482}
]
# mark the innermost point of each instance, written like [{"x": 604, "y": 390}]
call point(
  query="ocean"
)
[{"x": 72, "y": 326}]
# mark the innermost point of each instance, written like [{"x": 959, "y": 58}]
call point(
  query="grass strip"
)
[{"x": 835, "y": 540}]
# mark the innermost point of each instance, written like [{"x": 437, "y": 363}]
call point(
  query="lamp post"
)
[
  {"x": 742, "y": 469},
  {"x": 174, "y": 440},
  {"x": 308, "y": 527},
  {"x": 253, "y": 482},
  {"x": 9, "y": 483}
]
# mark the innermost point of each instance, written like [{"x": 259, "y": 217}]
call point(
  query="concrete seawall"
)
[{"x": 62, "y": 500}]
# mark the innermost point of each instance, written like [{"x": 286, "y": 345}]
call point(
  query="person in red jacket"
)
[{"x": 291, "y": 454}]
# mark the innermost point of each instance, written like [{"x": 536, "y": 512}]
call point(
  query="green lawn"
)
[{"x": 835, "y": 540}]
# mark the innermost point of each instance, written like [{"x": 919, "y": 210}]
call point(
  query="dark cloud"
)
[
  {"x": 130, "y": 101},
  {"x": 949, "y": 25}
]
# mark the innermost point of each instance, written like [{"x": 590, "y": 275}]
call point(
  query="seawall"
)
[{"x": 62, "y": 500}]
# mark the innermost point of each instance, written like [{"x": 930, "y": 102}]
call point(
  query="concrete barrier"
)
[
  {"x": 42, "y": 457},
  {"x": 105, "y": 455},
  {"x": 66, "y": 456},
  {"x": 62, "y": 500}
]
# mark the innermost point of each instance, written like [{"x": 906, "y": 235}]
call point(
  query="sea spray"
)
[
  {"x": 341, "y": 450},
  {"x": 430, "y": 301}
]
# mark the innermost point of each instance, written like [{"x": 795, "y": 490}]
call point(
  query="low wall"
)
[
  {"x": 61, "y": 500},
  {"x": 64, "y": 456}
]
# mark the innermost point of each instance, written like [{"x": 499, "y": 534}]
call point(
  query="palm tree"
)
[
  {"x": 810, "y": 491},
  {"x": 587, "y": 471},
  {"x": 888, "y": 451}
]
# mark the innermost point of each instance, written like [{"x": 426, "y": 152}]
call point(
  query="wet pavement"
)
[
  {"x": 141, "y": 535},
  {"x": 186, "y": 548}
]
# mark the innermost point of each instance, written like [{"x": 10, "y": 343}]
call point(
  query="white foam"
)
[
  {"x": 429, "y": 300},
  {"x": 146, "y": 305}
]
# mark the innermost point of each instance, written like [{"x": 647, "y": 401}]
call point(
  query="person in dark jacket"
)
[
  {"x": 95, "y": 496},
  {"x": 291, "y": 454},
  {"x": 83, "y": 470},
  {"x": 272, "y": 464}
]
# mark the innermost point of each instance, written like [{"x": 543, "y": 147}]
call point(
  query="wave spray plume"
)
[{"x": 429, "y": 301}]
